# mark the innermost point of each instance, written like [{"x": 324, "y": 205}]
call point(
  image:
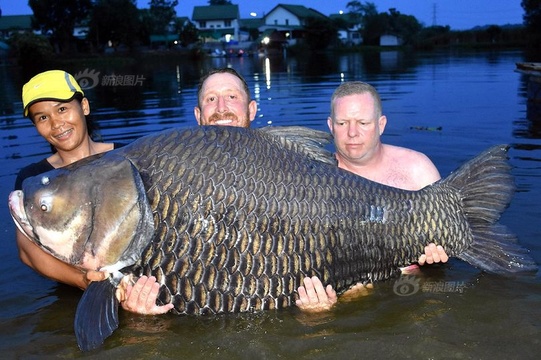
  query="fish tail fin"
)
[
  {"x": 486, "y": 187},
  {"x": 97, "y": 315},
  {"x": 495, "y": 250}
]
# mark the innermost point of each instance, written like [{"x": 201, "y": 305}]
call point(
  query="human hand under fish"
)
[
  {"x": 139, "y": 297},
  {"x": 313, "y": 297},
  {"x": 433, "y": 254}
]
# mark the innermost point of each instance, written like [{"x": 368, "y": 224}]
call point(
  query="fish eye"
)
[
  {"x": 45, "y": 180},
  {"x": 46, "y": 205}
]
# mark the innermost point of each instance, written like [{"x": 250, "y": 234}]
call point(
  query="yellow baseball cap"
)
[{"x": 50, "y": 85}]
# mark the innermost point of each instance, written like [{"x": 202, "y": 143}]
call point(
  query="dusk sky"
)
[{"x": 458, "y": 14}]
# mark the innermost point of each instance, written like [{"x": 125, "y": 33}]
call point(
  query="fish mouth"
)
[{"x": 16, "y": 208}]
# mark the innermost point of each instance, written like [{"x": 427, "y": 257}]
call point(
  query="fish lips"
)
[{"x": 16, "y": 208}]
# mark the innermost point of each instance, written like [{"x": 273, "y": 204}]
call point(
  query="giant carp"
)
[{"x": 231, "y": 220}]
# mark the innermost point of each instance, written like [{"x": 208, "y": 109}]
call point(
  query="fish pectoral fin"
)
[{"x": 97, "y": 315}]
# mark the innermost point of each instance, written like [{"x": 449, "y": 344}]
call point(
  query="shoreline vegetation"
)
[{"x": 34, "y": 53}]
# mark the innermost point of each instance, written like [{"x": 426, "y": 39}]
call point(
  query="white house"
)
[
  {"x": 217, "y": 23},
  {"x": 287, "y": 22}
]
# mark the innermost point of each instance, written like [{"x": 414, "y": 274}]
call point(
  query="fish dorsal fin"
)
[{"x": 306, "y": 141}]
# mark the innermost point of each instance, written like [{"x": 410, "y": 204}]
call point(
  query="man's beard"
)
[{"x": 223, "y": 116}]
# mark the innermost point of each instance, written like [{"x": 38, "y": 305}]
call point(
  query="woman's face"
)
[{"x": 62, "y": 124}]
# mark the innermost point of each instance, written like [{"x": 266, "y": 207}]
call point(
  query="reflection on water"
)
[{"x": 449, "y": 105}]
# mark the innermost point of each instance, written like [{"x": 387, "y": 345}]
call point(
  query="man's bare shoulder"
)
[
  {"x": 405, "y": 154},
  {"x": 418, "y": 167}
]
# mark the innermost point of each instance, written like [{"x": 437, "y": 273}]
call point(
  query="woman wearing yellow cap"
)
[
  {"x": 55, "y": 103},
  {"x": 57, "y": 107}
]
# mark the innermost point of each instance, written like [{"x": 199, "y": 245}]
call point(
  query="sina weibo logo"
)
[
  {"x": 87, "y": 79},
  {"x": 406, "y": 286}
]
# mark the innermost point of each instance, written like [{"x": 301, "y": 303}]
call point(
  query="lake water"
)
[{"x": 449, "y": 105}]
